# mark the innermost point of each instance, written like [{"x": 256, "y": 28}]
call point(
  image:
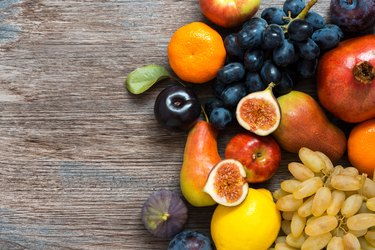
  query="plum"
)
[
  {"x": 190, "y": 240},
  {"x": 353, "y": 15},
  {"x": 164, "y": 214}
]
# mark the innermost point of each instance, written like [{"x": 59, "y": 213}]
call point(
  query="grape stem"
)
[{"x": 301, "y": 15}]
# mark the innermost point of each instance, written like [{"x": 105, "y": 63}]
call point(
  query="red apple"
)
[
  {"x": 229, "y": 13},
  {"x": 260, "y": 155}
]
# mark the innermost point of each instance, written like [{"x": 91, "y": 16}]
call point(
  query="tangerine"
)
[
  {"x": 196, "y": 52},
  {"x": 361, "y": 147}
]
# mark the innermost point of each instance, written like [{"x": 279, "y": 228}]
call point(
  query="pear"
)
[
  {"x": 304, "y": 124},
  {"x": 200, "y": 156}
]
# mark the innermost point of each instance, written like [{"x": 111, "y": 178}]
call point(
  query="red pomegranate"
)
[{"x": 346, "y": 79}]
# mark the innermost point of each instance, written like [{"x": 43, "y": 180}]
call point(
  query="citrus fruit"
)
[
  {"x": 252, "y": 225},
  {"x": 196, "y": 52},
  {"x": 361, "y": 147}
]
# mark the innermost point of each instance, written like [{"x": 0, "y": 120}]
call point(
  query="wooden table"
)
[{"x": 79, "y": 154}]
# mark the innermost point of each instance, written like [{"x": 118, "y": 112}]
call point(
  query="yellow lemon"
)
[{"x": 252, "y": 225}]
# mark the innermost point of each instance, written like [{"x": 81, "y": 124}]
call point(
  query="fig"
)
[
  {"x": 346, "y": 79},
  {"x": 226, "y": 183},
  {"x": 164, "y": 214},
  {"x": 259, "y": 112},
  {"x": 190, "y": 240}
]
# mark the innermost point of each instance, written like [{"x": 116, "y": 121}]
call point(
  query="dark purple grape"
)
[
  {"x": 253, "y": 60},
  {"x": 254, "y": 83},
  {"x": 353, "y": 16},
  {"x": 273, "y": 36},
  {"x": 233, "y": 94},
  {"x": 164, "y": 214},
  {"x": 250, "y": 37},
  {"x": 294, "y": 6},
  {"x": 232, "y": 47},
  {"x": 285, "y": 85},
  {"x": 274, "y": 15},
  {"x": 285, "y": 54},
  {"x": 308, "y": 50},
  {"x": 299, "y": 30},
  {"x": 190, "y": 240},
  {"x": 306, "y": 68},
  {"x": 315, "y": 20},
  {"x": 336, "y": 29},
  {"x": 220, "y": 118},
  {"x": 177, "y": 108},
  {"x": 326, "y": 38},
  {"x": 218, "y": 87},
  {"x": 270, "y": 73},
  {"x": 212, "y": 103},
  {"x": 255, "y": 21},
  {"x": 232, "y": 72}
]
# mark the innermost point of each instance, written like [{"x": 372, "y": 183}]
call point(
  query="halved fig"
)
[
  {"x": 226, "y": 183},
  {"x": 164, "y": 214},
  {"x": 259, "y": 112}
]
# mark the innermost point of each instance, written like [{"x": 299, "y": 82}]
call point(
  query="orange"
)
[
  {"x": 196, "y": 52},
  {"x": 361, "y": 147}
]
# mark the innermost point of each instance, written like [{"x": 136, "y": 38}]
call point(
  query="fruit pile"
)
[
  {"x": 322, "y": 206},
  {"x": 282, "y": 45}
]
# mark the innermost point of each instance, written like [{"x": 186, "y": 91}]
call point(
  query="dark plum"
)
[
  {"x": 285, "y": 54},
  {"x": 315, "y": 20},
  {"x": 232, "y": 47},
  {"x": 232, "y": 72},
  {"x": 164, "y": 214},
  {"x": 326, "y": 38},
  {"x": 190, "y": 240},
  {"x": 308, "y": 50},
  {"x": 253, "y": 60},
  {"x": 270, "y": 73},
  {"x": 299, "y": 30},
  {"x": 212, "y": 103},
  {"x": 274, "y": 15},
  {"x": 273, "y": 36},
  {"x": 177, "y": 108},
  {"x": 353, "y": 15},
  {"x": 233, "y": 94},
  {"x": 220, "y": 117},
  {"x": 293, "y": 6},
  {"x": 254, "y": 83}
]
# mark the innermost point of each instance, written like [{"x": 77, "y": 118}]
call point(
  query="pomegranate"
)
[{"x": 346, "y": 79}]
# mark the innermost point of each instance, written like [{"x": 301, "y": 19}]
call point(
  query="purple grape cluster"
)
[{"x": 280, "y": 46}]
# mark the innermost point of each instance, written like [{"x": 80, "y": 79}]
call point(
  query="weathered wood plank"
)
[{"x": 78, "y": 154}]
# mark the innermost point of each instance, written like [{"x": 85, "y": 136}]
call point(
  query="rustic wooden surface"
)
[{"x": 79, "y": 154}]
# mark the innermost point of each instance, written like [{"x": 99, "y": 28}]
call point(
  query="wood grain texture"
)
[{"x": 79, "y": 154}]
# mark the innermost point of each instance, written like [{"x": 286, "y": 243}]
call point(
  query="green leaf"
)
[{"x": 141, "y": 79}]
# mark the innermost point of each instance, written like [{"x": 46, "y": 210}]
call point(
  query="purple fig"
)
[{"x": 164, "y": 214}]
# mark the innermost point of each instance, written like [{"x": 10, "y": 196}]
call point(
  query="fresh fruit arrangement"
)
[
  {"x": 325, "y": 206},
  {"x": 253, "y": 72}
]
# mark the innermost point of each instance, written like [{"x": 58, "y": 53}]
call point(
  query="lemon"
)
[{"x": 252, "y": 225}]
